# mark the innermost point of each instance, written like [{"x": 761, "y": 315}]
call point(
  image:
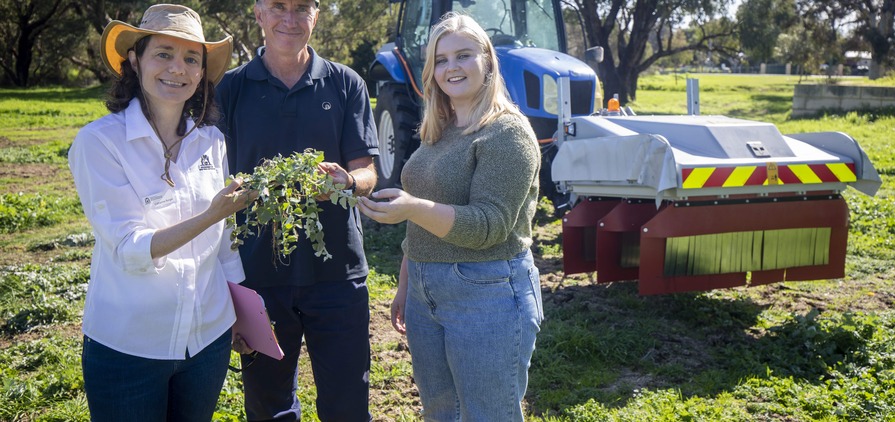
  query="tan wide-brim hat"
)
[{"x": 165, "y": 19}]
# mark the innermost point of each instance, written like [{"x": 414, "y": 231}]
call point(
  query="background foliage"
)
[{"x": 56, "y": 41}]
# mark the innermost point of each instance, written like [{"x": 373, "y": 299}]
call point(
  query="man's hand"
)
[{"x": 240, "y": 346}]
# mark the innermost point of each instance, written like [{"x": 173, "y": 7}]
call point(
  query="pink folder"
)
[{"x": 252, "y": 322}]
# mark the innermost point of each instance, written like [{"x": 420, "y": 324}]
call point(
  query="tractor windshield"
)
[
  {"x": 521, "y": 23},
  {"x": 529, "y": 23}
]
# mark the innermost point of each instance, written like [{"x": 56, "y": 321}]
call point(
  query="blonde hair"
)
[{"x": 491, "y": 101}]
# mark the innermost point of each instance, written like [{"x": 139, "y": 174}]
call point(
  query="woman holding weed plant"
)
[
  {"x": 151, "y": 178},
  {"x": 469, "y": 296}
]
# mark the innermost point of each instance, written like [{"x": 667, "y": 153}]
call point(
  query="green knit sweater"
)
[{"x": 490, "y": 178}]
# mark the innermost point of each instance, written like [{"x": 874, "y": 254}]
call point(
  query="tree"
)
[
  {"x": 635, "y": 34},
  {"x": 346, "y": 30},
  {"x": 793, "y": 46},
  {"x": 57, "y": 41},
  {"x": 869, "y": 20},
  {"x": 349, "y": 30},
  {"x": 22, "y": 33},
  {"x": 96, "y": 14},
  {"x": 760, "y": 23},
  {"x": 237, "y": 19},
  {"x": 876, "y": 26}
]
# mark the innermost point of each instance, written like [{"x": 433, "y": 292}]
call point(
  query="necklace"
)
[
  {"x": 166, "y": 176},
  {"x": 167, "y": 151}
]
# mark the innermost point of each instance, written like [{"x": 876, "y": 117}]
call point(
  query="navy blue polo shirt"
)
[{"x": 328, "y": 110}]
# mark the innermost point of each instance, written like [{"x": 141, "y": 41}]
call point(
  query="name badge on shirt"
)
[{"x": 159, "y": 200}]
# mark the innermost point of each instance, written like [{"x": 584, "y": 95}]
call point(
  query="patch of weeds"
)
[
  {"x": 871, "y": 232},
  {"x": 860, "y": 267},
  {"x": 71, "y": 410},
  {"x": 72, "y": 241},
  {"x": 384, "y": 373},
  {"x": 810, "y": 347},
  {"x": 73, "y": 256},
  {"x": 545, "y": 212},
  {"x": 381, "y": 286},
  {"x": 873, "y": 217},
  {"x": 662, "y": 405},
  {"x": 24, "y": 211},
  {"x": 714, "y": 309},
  {"x": 583, "y": 346},
  {"x": 43, "y": 374},
  {"x": 50, "y": 107},
  {"x": 33, "y": 295},
  {"x": 54, "y": 152},
  {"x": 858, "y": 385},
  {"x": 548, "y": 250},
  {"x": 230, "y": 407},
  {"x": 382, "y": 245}
]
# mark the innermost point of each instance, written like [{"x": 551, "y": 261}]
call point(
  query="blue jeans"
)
[
  {"x": 471, "y": 329},
  {"x": 334, "y": 320},
  {"x": 123, "y": 387}
]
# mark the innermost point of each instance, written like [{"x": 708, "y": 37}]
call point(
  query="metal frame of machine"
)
[{"x": 686, "y": 203}]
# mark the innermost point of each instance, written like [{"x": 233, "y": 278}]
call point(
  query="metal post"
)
[
  {"x": 564, "y": 118},
  {"x": 692, "y": 96}
]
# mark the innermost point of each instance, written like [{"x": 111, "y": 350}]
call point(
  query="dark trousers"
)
[
  {"x": 334, "y": 319},
  {"x": 123, "y": 387}
]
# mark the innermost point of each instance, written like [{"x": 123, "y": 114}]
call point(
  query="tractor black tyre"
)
[{"x": 397, "y": 121}]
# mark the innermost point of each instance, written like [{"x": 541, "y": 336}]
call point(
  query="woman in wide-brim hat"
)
[{"x": 151, "y": 179}]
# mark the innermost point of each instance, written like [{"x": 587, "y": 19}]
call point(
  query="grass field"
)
[{"x": 807, "y": 351}]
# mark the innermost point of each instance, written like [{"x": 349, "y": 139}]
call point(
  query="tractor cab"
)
[
  {"x": 513, "y": 24},
  {"x": 529, "y": 38}
]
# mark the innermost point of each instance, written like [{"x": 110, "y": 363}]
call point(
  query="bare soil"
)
[{"x": 31, "y": 175}]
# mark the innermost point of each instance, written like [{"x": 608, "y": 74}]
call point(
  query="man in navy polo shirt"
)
[{"x": 288, "y": 99}]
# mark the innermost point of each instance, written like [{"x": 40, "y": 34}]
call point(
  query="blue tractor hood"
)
[
  {"x": 541, "y": 61},
  {"x": 524, "y": 69}
]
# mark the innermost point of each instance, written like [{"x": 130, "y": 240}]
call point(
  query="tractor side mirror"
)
[{"x": 594, "y": 54}]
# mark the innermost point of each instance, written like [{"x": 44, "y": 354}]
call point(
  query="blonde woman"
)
[
  {"x": 150, "y": 176},
  {"x": 468, "y": 296}
]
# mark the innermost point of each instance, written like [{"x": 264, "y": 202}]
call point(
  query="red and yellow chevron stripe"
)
[{"x": 728, "y": 177}]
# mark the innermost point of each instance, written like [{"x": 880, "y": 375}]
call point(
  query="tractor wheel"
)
[{"x": 397, "y": 118}]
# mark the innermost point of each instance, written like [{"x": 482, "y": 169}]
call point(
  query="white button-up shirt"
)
[{"x": 162, "y": 308}]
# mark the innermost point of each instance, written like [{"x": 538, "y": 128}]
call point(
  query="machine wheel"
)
[{"x": 397, "y": 119}]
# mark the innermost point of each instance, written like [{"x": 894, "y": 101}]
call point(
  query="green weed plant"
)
[
  {"x": 20, "y": 211},
  {"x": 35, "y": 295},
  {"x": 288, "y": 190}
]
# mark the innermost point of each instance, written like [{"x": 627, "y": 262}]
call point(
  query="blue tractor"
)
[{"x": 529, "y": 36}]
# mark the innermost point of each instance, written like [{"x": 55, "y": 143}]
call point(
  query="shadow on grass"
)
[
  {"x": 762, "y": 105},
  {"x": 382, "y": 246},
  {"x": 606, "y": 343},
  {"x": 56, "y": 94},
  {"x": 871, "y": 115}
]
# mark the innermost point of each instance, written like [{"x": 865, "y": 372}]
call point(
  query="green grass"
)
[
  {"x": 822, "y": 350},
  {"x": 35, "y": 295},
  {"x": 19, "y": 211},
  {"x": 26, "y": 112}
]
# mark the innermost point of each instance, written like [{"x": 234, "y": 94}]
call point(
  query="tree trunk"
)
[
  {"x": 31, "y": 24},
  {"x": 24, "y": 54},
  {"x": 880, "y": 42}
]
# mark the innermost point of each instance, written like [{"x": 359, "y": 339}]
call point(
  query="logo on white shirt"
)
[{"x": 205, "y": 163}]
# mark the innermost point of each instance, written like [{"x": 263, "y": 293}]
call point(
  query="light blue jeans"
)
[{"x": 471, "y": 329}]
